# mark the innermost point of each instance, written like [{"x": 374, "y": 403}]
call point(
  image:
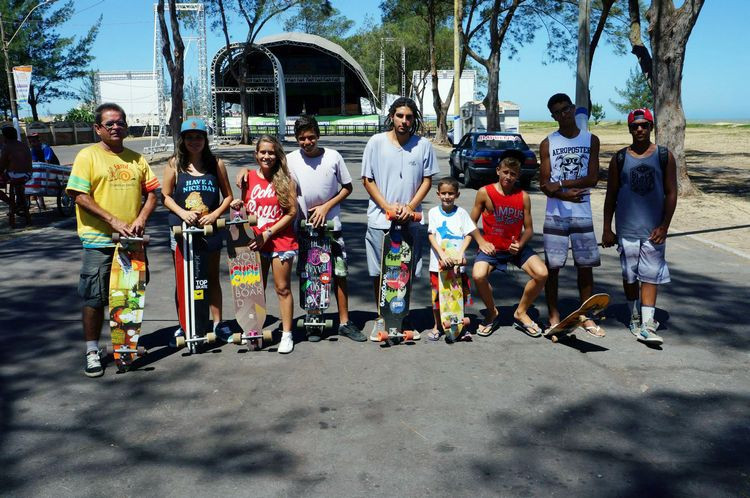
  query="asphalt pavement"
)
[{"x": 506, "y": 415}]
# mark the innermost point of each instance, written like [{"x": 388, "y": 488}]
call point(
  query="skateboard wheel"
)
[
  {"x": 268, "y": 335},
  {"x": 467, "y": 321},
  {"x": 210, "y": 337},
  {"x": 115, "y": 238},
  {"x": 329, "y": 225},
  {"x": 252, "y": 220},
  {"x": 146, "y": 239},
  {"x": 180, "y": 342},
  {"x": 303, "y": 224},
  {"x": 208, "y": 230},
  {"x": 141, "y": 350},
  {"x": 221, "y": 223},
  {"x": 554, "y": 338},
  {"x": 237, "y": 338},
  {"x": 382, "y": 335},
  {"x": 177, "y": 231},
  {"x": 409, "y": 335},
  {"x": 329, "y": 324},
  {"x": 300, "y": 323}
]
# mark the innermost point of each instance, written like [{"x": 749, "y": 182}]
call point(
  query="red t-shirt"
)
[
  {"x": 261, "y": 200},
  {"x": 505, "y": 223}
]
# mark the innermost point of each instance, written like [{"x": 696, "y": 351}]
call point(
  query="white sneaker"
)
[
  {"x": 286, "y": 345},
  {"x": 378, "y": 326}
]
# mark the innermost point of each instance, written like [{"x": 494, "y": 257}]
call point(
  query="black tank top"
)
[{"x": 195, "y": 193}]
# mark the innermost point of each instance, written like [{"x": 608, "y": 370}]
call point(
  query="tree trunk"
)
[
  {"x": 441, "y": 130},
  {"x": 245, "y": 129},
  {"x": 669, "y": 30},
  {"x": 491, "y": 100},
  {"x": 33, "y": 103}
]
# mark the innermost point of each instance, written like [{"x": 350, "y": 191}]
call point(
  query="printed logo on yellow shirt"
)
[{"x": 120, "y": 174}]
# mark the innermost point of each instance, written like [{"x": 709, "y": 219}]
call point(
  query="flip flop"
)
[
  {"x": 595, "y": 331},
  {"x": 530, "y": 329},
  {"x": 486, "y": 329},
  {"x": 434, "y": 335}
]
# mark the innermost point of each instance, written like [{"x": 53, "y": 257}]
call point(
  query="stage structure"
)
[
  {"x": 164, "y": 140},
  {"x": 136, "y": 91},
  {"x": 291, "y": 73}
]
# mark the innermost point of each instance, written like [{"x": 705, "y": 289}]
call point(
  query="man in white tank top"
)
[{"x": 569, "y": 167}]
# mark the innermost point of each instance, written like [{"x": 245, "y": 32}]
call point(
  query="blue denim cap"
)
[{"x": 193, "y": 124}]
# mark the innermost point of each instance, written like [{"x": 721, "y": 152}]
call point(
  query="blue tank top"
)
[
  {"x": 195, "y": 193},
  {"x": 640, "y": 200}
]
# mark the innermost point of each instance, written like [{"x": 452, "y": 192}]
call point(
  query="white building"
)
[
  {"x": 422, "y": 89},
  {"x": 135, "y": 91},
  {"x": 474, "y": 116}
]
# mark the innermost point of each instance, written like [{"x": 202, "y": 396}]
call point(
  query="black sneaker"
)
[
  {"x": 93, "y": 365},
  {"x": 351, "y": 331}
]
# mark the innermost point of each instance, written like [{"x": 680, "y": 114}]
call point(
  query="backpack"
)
[{"x": 660, "y": 149}]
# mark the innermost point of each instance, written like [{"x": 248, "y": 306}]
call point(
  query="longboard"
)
[
  {"x": 592, "y": 307},
  {"x": 396, "y": 268},
  {"x": 315, "y": 270},
  {"x": 127, "y": 299},
  {"x": 191, "y": 275},
  {"x": 451, "y": 297},
  {"x": 248, "y": 291}
]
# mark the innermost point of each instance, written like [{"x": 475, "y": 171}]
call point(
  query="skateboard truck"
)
[
  {"x": 393, "y": 333},
  {"x": 209, "y": 338}
]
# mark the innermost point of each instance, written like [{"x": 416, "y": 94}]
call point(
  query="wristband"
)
[{"x": 268, "y": 231}]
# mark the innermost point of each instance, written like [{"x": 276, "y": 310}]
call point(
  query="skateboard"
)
[
  {"x": 127, "y": 298},
  {"x": 245, "y": 276},
  {"x": 191, "y": 275},
  {"x": 592, "y": 307},
  {"x": 451, "y": 297},
  {"x": 394, "y": 292},
  {"x": 315, "y": 270}
]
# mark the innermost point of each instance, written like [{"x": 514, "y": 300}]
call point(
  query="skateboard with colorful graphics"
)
[
  {"x": 315, "y": 270},
  {"x": 246, "y": 278},
  {"x": 394, "y": 291},
  {"x": 451, "y": 297},
  {"x": 127, "y": 299},
  {"x": 590, "y": 308},
  {"x": 191, "y": 275}
]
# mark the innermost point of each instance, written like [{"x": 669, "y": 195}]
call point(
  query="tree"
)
[
  {"x": 56, "y": 60},
  {"x": 192, "y": 98},
  {"x": 88, "y": 93},
  {"x": 668, "y": 29},
  {"x": 319, "y": 18},
  {"x": 256, "y": 13},
  {"x": 636, "y": 94},
  {"x": 175, "y": 60},
  {"x": 80, "y": 115},
  {"x": 597, "y": 112}
]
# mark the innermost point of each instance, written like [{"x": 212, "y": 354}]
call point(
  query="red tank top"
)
[
  {"x": 505, "y": 223},
  {"x": 262, "y": 201}
]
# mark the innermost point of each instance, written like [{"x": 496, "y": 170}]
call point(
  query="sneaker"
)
[
  {"x": 635, "y": 325},
  {"x": 286, "y": 345},
  {"x": 93, "y": 365},
  {"x": 223, "y": 333},
  {"x": 378, "y": 326},
  {"x": 177, "y": 333},
  {"x": 351, "y": 331},
  {"x": 648, "y": 333}
]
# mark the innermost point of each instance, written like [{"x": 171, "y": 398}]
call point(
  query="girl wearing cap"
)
[
  {"x": 270, "y": 194},
  {"x": 196, "y": 190}
]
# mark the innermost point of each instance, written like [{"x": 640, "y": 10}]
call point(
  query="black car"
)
[{"x": 477, "y": 154}]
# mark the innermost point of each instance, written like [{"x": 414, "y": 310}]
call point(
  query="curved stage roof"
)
[{"x": 320, "y": 77}]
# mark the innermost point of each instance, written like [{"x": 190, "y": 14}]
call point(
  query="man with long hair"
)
[{"x": 397, "y": 170}]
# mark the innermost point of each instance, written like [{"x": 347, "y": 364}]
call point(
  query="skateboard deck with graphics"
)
[
  {"x": 315, "y": 270},
  {"x": 590, "y": 308},
  {"x": 127, "y": 299},
  {"x": 394, "y": 291},
  {"x": 451, "y": 297},
  {"x": 246, "y": 278},
  {"x": 191, "y": 275}
]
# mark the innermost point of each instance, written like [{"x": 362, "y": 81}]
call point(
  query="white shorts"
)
[{"x": 643, "y": 261}]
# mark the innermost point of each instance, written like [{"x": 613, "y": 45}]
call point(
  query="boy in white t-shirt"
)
[
  {"x": 449, "y": 225},
  {"x": 323, "y": 181}
]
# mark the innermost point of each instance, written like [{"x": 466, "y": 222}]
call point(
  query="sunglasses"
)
[
  {"x": 563, "y": 110},
  {"x": 645, "y": 125},
  {"x": 111, "y": 124}
]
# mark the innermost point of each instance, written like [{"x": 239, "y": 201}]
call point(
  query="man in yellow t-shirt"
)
[{"x": 108, "y": 183}]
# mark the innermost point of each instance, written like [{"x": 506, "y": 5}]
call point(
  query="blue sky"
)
[{"x": 714, "y": 83}]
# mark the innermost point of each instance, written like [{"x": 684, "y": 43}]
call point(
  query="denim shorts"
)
[
  {"x": 96, "y": 267},
  {"x": 282, "y": 255},
  {"x": 500, "y": 260}
]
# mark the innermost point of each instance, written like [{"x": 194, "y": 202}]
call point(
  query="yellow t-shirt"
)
[{"x": 116, "y": 182}]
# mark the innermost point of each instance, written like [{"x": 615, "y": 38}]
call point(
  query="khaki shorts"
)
[{"x": 93, "y": 285}]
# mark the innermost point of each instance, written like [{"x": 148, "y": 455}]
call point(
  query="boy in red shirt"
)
[{"x": 507, "y": 226}]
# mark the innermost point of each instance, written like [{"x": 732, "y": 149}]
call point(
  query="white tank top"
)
[{"x": 569, "y": 160}]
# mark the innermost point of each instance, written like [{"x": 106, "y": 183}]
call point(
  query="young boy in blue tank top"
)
[{"x": 642, "y": 196}]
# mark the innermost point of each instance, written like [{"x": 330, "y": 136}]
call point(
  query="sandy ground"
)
[{"x": 718, "y": 160}]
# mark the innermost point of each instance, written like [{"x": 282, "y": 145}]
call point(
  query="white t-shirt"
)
[
  {"x": 319, "y": 179},
  {"x": 569, "y": 160},
  {"x": 397, "y": 171},
  {"x": 448, "y": 229}
]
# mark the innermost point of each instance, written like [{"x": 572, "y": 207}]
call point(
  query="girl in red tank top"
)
[{"x": 270, "y": 194}]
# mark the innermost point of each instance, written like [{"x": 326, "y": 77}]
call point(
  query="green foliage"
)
[
  {"x": 80, "y": 115},
  {"x": 597, "y": 113},
  {"x": 192, "y": 98},
  {"x": 637, "y": 93},
  {"x": 319, "y": 18}
]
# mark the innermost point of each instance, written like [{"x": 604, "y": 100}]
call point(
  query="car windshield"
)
[{"x": 491, "y": 141}]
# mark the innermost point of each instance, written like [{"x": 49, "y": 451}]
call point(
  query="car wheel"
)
[
  {"x": 455, "y": 174},
  {"x": 468, "y": 182}
]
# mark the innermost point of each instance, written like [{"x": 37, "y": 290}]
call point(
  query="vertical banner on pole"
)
[{"x": 22, "y": 80}]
